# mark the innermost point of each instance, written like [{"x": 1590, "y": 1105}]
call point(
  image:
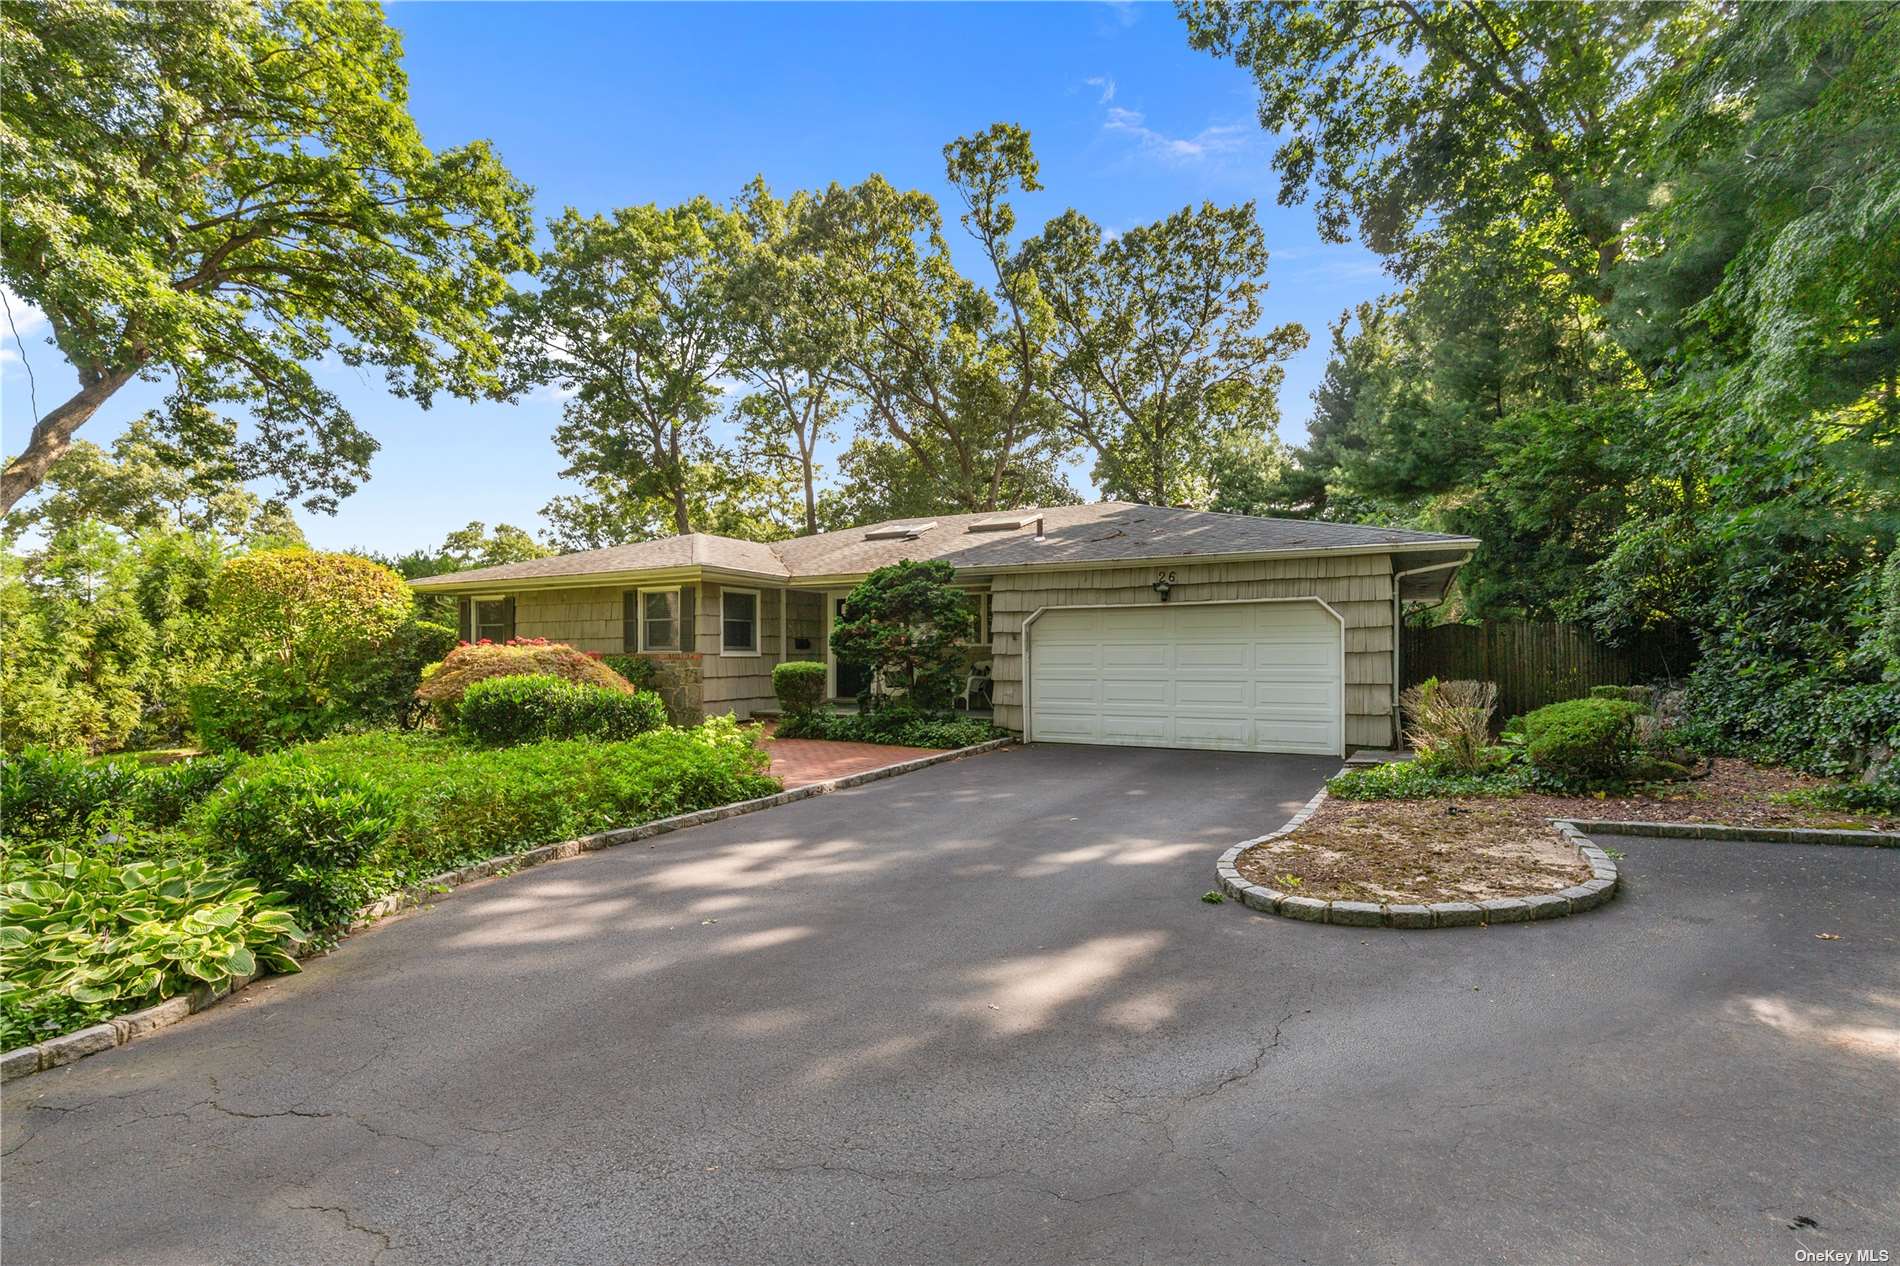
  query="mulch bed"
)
[
  {"x": 1417, "y": 851},
  {"x": 1474, "y": 848},
  {"x": 1734, "y": 793}
]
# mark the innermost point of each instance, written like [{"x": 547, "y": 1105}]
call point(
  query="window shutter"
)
[
  {"x": 465, "y": 618},
  {"x": 630, "y": 621},
  {"x": 508, "y": 616},
  {"x": 689, "y": 615}
]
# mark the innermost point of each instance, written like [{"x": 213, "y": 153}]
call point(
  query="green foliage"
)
[
  {"x": 501, "y": 711},
  {"x": 897, "y": 726},
  {"x": 638, "y": 671},
  {"x": 442, "y": 689},
  {"x": 315, "y": 642},
  {"x": 83, "y": 936},
  {"x": 1581, "y": 742},
  {"x": 286, "y": 208},
  {"x": 1158, "y": 365},
  {"x": 54, "y": 795},
  {"x": 306, "y": 830},
  {"x": 800, "y": 686},
  {"x": 906, "y": 623},
  {"x": 453, "y": 804},
  {"x": 1643, "y": 696},
  {"x": 1881, "y": 796},
  {"x": 1409, "y": 780}
]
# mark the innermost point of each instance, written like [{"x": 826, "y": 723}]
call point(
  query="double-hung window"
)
[
  {"x": 739, "y": 621},
  {"x": 489, "y": 619},
  {"x": 659, "y": 619}
]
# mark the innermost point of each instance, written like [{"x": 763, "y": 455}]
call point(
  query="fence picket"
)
[{"x": 1534, "y": 663}]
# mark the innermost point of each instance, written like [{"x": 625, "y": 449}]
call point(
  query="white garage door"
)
[{"x": 1249, "y": 676}]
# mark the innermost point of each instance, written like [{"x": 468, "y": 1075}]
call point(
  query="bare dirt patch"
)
[
  {"x": 1734, "y": 793},
  {"x": 1417, "y": 851}
]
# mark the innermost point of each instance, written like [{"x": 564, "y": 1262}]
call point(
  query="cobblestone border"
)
[
  {"x": 1768, "y": 834},
  {"x": 1599, "y": 888},
  {"x": 23, "y": 1061}
]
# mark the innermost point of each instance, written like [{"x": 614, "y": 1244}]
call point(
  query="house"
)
[{"x": 1111, "y": 623}]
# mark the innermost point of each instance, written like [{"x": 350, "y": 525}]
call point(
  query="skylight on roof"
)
[
  {"x": 1007, "y": 523},
  {"x": 899, "y": 531}
]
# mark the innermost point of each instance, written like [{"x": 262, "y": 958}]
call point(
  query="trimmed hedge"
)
[
  {"x": 450, "y": 804},
  {"x": 895, "y": 726},
  {"x": 502, "y": 711},
  {"x": 800, "y": 686},
  {"x": 1582, "y": 741}
]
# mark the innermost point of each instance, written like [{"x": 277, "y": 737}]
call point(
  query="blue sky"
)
[{"x": 607, "y": 105}]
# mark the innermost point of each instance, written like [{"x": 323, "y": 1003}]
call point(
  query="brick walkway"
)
[{"x": 801, "y": 761}]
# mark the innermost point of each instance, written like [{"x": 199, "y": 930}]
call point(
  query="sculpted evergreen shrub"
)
[
  {"x": 500, "y": 711},
  {"x": 1582, "y": 741},
  {"x": 443, "y": 688},
  {"x": 800, "y": 686}
]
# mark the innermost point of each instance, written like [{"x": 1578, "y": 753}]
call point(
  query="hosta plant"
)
[{"x": 86, "y": 935}]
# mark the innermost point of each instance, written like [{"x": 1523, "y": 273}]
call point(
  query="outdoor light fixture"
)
[{"x": 1163, "y": 583}]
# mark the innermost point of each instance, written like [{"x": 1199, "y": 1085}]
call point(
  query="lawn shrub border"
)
[{"x": 26, "y": 1060}]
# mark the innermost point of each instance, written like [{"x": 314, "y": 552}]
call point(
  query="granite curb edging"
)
[
  {"x": 1763, "y": 834},
  {"x": 1558, "y": 904},
  {"x": 23, "y": 1061}
]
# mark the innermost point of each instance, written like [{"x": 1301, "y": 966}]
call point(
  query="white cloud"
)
[
  {"x": 27, "y": 319},
  {"x": 1107, "y": 85},
  {"x": 1125, "y": 12},
  {"x": 1218, "y": 138}
]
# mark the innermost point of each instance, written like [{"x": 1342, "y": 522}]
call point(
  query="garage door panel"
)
[
  {"x": 1226, "y": 657},
  {"x": 1067, "y": 692},
  {"x": 1228, "y": 676},
  {"x": 1134, "y": 729},
  {"x": 1149, "y": 692},
  {"x": 1116, "y": 657}
]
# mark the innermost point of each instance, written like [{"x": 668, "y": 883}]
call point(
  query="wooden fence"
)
[{"x": 1535, "y": 664}]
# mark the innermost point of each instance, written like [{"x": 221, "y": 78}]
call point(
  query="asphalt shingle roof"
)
[{"x": 1106, "y": 532}]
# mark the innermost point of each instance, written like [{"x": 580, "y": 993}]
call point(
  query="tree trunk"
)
[
  {"x": 53, "y": 436},
  {"x": 811, "y": 501},
  {"x": 682, "y": 523}
]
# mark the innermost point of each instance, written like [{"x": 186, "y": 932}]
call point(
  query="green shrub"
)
[
  {"x": 1642, "y": 695},
  {"x": 47, "y": 795},
  {"x": 800, "y": 686},
  {"x": 307, "y": 635},
  {"x": 308, "y": 831},
  {"x": 501, "y": 711},
  {"x": 1409, "y": 780},
  {"x": 907, "y": 623},
  {"x": 638, "y": 670},
  {"x": 83, "y": 937},
  {"x": 896, "y": 726},
  {"x": 452, "y": 804},
  {"x": 443, "y": 688},
  {"x": 1853, "y": 797},
  {"x": 1580, "y": 742}
]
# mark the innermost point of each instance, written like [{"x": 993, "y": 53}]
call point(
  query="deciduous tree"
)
[{"x": 220, "y": 195}]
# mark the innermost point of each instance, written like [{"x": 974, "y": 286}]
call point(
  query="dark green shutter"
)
[
  {"x": 630, "y": 621},
  {"x": 689, "y": 616},
  {"x": 465, "y": 615}
]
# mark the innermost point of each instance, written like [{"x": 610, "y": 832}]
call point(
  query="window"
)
[
  {"x": 659, "y": 619},
  {"x": 490, "y": 619},
  {"x": 980, "y": 608},
  {"x": 739, "y": 612}
]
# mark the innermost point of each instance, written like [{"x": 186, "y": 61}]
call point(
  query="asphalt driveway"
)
[{"x": 979, "y": 1014}]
